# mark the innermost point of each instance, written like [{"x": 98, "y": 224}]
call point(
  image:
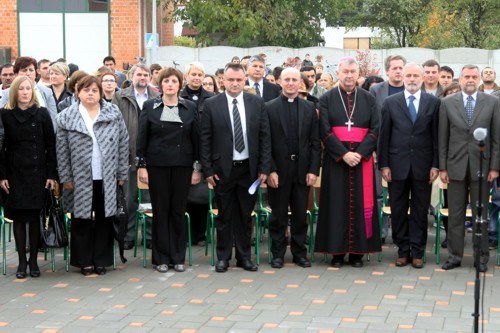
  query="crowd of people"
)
[{"x": 248, "y": 124}]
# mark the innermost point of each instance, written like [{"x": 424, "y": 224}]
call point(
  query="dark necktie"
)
[
  {"x": 469, "y": 110},
  {"x": 239, "y": 143},
  {"x": 257, "y": 89},
  {"x": 413, "y": 110}
]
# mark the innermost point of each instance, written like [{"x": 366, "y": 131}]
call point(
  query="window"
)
[
  {"x": 357, "y": 43},
  {"x": 60, "y": 6}
]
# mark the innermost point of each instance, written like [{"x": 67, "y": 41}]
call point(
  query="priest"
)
[{"x": 348, "y": 218}]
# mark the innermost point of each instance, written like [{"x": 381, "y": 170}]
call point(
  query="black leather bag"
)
[
  {"x": 121, "y": 222},
  {"x": 52, "y": 229}
]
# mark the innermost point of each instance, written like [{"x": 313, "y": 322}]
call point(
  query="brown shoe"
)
[
  {"x": 401, "y": 262},
  {"x": 417, "y": 263}
]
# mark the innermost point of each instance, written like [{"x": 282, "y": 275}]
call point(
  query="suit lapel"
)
[
  {"x": 478, "y": 107},
  {"x": 225, "y": 112},
  {"x": 402, "y": 104},
  {"x": 422, "y": 105},
  {"x": 248, "y": 111},
  {"x": 459, "y": 105}
]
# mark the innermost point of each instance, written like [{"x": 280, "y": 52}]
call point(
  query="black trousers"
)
[
  {"x": 169, "y": 188},
  {"x": 296, "y": 195},
  {"x": 92, "y": 239},
  {"x": 234, "y": 225},
  {"x": 409, "y": 231}
]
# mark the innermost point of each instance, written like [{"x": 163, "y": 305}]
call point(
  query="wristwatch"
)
[{"x": 197, "y": 166}]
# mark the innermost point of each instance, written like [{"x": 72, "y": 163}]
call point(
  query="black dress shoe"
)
[
  {"x": 450, "y": 265},
  {"x": 128, "y": 245},
  {"x": 277, "y": 263},
  {"x": 221, "y": 266},
  {"x": 302, "y": 262},
  {"x": 444, "y": 244},
  {"x": 482, "y": 267},
  {"x": 100, "y": 270},
  {"x": 247, "y": 265},
  {"x": 337, "y": 262},
  {"x": 34, "y": 271},
  {"x": 357, "y": 263},
  {"x": 21, "y": 272},
  {"x": 86, "y": 271}
]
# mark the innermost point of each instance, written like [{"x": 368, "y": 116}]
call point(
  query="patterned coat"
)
[{"x": 74, "y": 156}]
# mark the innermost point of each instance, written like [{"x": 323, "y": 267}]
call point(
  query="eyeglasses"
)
[
  {"x": 207, "y": 84},
  {"x": 108, "y": 81}
]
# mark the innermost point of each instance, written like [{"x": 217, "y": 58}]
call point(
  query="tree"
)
[
  {"x": 400, "y": 20},
  {"x": 247, "y": 23}
]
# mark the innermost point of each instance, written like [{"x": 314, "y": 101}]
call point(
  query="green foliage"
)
[
  {"x": 247, "y": 23},
  {"x": 185, "y": 41}
]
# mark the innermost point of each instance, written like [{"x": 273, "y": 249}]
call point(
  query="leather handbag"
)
[{"x": 52, "y": 228}]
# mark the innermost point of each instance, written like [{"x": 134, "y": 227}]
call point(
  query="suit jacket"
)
[
  {"x": 165, "y": 143},
  {"x": 216, "y": 138},
  {"x": 271, "y": 90},
  {"x": 380, "y": 91},
  {"x": 309, "y": 143},
  {"x": 405, "y": 146},
  {"x": 457, "y": 146}
]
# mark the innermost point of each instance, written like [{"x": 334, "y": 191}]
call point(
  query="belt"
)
[
  {"x": 239, "y": 162},
  {"x": 293, "y": 157}
]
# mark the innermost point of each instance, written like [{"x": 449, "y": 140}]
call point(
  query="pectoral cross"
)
[{"x": 349, "y": 123}]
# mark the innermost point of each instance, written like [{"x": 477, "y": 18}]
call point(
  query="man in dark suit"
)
[
  {"x": 255, "y": 78},
  {"x": 296, "y": 160},
  {"x": 408, "y": 160},
  {"x": 235, "y": 150},
  {"x": 459, "y": 155}
]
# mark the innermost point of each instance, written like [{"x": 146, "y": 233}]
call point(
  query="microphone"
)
[{"x": 480, "y": 133}]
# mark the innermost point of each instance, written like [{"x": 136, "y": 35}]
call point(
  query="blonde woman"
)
[
  {"x": 27, "y": 167},
  {"x": 58, "y": 74}
]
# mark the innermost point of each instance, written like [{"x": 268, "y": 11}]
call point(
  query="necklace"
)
[{"x": 349, "y": 122}]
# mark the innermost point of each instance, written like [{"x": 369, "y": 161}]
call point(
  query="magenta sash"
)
[{"x": 357, "y": 135}]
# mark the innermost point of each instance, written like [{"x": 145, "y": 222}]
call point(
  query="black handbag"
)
[
  {"x": 52, "y": 228},
  {"x": 121, "y": 221}
]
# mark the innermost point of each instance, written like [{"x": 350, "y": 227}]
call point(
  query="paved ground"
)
[{"x": 376, "y": 298}]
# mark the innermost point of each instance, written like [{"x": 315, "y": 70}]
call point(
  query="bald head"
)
[{"x": 290, "y": 82}]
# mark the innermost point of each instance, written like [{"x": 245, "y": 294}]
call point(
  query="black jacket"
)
[
  {"x": 164, "y": 143},
  {"x": 200, "y": 103},
  {"x": 309, "y": 143},
  {"x": 28, "y": 156}
]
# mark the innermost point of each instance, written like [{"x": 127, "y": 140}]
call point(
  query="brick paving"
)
[{"x": 376, "y": 298}]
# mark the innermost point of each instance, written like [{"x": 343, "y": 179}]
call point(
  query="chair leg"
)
[
  {"x": 212, "y": 237},
  {"x": 67, "y": 248},
  {"x": 144, "y": 249},
  {"x": 269, "y": 240},
  {"x": 114, "y": 254},
  {"x": 257, "y": 239},
  {"x": 136, "y": 236},
  {"x": 437, "y": 250},
  {"x": 381, "y": 227},
  {"x": 190, "y": 249},
  {"x": 311, "y": 235},
  {"x": 4, "y": 248},
  {"x": 53, "y": 259}
]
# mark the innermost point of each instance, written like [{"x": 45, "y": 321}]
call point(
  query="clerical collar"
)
[
  {"x": 345, "y": 91},
  {"x": 288, "y": 99}
]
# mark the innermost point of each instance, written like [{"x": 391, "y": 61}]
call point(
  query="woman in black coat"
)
[
  {"x": 27, "y": 166},
  {"x": 167, "y": 148}
]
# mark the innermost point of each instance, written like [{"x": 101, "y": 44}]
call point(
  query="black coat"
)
[
  {"x": 28, "y": 156},
  {"x": 200, "y": 102},
  {"x": 164, "y": 143}
]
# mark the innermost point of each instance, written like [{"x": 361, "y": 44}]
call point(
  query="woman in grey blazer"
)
[{"x": 92, "y": 154}]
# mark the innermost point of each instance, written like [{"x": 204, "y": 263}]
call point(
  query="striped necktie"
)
[
  {"x": 469, "y": 109},
  {"x": 239, "y": 143}
]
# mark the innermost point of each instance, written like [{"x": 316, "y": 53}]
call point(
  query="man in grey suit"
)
[
  {"x": 394, "y": 69},
  {"x": 459, "y": 155}
]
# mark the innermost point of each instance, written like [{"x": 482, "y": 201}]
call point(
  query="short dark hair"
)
[
  {"x": 307, "y": 69},
  {"x": 277, "y": 72},
  {"x": 89, "y": 80},
  {"x": 42, "y": 61},
  {"x": 246, "y": 57},
  {"x": 219, "y": 71},
  {"x": 447, "y": 69},
  {"x": 255, "y": 58},
  {"x": 7, "y": 65},
  {"x": 167, "y": 72},
  {"x": 154, "y": 67},
  {"x": 108, "y": 58},
  {"x": 24, "y": 62},
  {"x": 305, "y": 80},
  {"x": 431, "y": 63},
  {"x": 234, "y": 67}
]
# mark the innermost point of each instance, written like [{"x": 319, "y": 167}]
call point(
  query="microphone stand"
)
[{"x": 478, "y": 233}]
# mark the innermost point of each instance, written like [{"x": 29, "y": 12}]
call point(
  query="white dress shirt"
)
[
  {"x": 140, "y": 98},
  {"x": 474, "y": 99},
  {"x": 261, "y": 85},
  {"x": 416, "y": 101},
  {"x": 237, "y": 156}
]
